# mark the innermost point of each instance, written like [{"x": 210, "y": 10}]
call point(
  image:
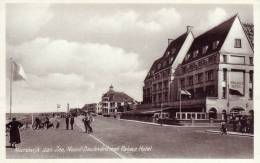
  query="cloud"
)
[
  {"x": 58, "y": 81},
  {"x": 43, "y": 56},
  {"x": 214, "y": 18},
  {"x": 23, "y": 21},
  {"x": 123, "y": 21},
  {"x": 78, "y": 72}
]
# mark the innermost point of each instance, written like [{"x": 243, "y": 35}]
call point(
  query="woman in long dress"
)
[{"x": 14, "y": 126}]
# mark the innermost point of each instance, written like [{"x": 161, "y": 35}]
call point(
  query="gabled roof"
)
[
  {"x": 249, "y": 30},
  {"x": 218, "y": 33},
  {"x": 171, "y": 52},
  {"x": 118, "y": 96}
]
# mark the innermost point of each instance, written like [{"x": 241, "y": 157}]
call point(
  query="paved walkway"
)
[
  {"x": 231, "y": 133},
  {"x": 114, "y": 138},
  {"x": 185, "y": 125}
]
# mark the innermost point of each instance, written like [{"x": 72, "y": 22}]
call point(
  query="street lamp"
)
[{"x": 161, "y": 113}]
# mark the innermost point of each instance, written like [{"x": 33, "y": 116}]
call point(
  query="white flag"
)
[
  {"x": 185, "y": 92},
  {"x": 18, "y": 72}
]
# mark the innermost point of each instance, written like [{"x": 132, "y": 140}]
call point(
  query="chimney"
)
[
  {"x": 189, "y": 28},
  {"x": 169, "y": 41}
]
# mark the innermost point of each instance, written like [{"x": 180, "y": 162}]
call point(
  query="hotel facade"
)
[{"x": 215, "y": 68}]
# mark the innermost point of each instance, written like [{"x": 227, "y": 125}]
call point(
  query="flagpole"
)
[
  {"x": 180, "y": 104},
  {"x": 11, "y": 84},
  {"x": 32, "y": 121}
]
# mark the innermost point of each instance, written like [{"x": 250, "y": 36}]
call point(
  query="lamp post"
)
[
  {"x": 180, "y": 104},
  {"x": 161, "y": 113}
]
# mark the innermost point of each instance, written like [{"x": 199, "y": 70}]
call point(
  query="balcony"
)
[{"x": 190, "y": 102}]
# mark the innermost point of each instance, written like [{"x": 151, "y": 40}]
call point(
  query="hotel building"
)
[
  {"x": 216, "y": 69},
  {"x": 113, "y": 102}
]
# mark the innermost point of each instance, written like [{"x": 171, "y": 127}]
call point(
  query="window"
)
[
  {"x": 204, "y": 49},
  {"x": 160, "y": 97},
  {"x": 195, "y": 53},
  {"x": 159, "y": 65},
  {"x": 190, "y": 80},
  {"x": 251, "y": 76},
  {"x": 224, "y": 92},
  {"x": 210, "y": 90},
  {"x": 170, "y": 60},
  {"x": 236, "y": 59},
  {"x": 154, "y": 87},
  {"x": 200, "y": 77},
  {"x": 215, "y": 44},
  {"x": 251, "y": 60},
  {"x": 210, "y": 75},
  {"x": 160, "y": 86},
  {"x": 187, "y": 57},
  {"x": 182, "y": 82},
  {"x": 224, "y": 74},
  {"x": 225, "y": 58},
  {"x": 166, "y": 96},
  {"x": 173, "y": 50},
  {"x": 165, "y": 83},
  {"x": 237, "y": 43},
  {"x": 154, "y": 98},
  {"x": 164, "y": 63},
  {"x": 250, "y": 93}
]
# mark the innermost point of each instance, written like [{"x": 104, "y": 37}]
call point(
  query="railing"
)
[{"x": 190, "y": 101}]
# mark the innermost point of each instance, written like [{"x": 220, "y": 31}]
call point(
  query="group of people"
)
[
  {"x": 69, "y": 119},
  {"x": 243, "y": 124},
  {"x": 47, "y": 123}
]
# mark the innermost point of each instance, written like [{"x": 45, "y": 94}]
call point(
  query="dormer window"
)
[
  {"x": 159, "y": 65},
  {"x": 187, "y": 57},
  {"x": 164, "y": 63},
  {"x": 204, "y": 49},
  {"x": 170, "y": 60},
  {"x": 237, "y": 43},
  {"x": 215, "y": 44},
  {"x": 195, "y": 53},
  {"x": 173, "y": 50},
  {"x": 167, "y": 53}
]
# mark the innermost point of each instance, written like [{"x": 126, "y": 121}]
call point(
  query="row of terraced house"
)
[{"x": 205, "y": 76}]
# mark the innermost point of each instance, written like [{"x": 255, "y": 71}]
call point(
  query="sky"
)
[{"x": 72, "y": 53}]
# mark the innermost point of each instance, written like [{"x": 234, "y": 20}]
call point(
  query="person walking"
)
[
  {"x": 57, "y": 122},
  {"x": 67, "y": 121},
  {"x": 14, "y": 126},
  {"x": 71, "y": 122},
  {"x": 86, "y": 120},
  {"x": 91, "y": 120},
  {"x": 37, "y": 123},
  {"x": 47, "y": 122},
  {"x": 223, "y": 128}
]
